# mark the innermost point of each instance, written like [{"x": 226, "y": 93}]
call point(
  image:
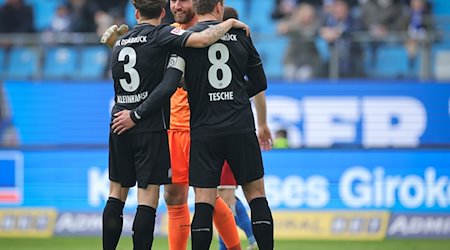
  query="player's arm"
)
[
  {"x": 213, "y": 34},
  {"x": 257, "y": 80},
  {"x": 126, "y": 119},
  {"x": 256, "y": 86},
  {"x": 264, "y": 134},
  {"x": 163, "y": 91}
]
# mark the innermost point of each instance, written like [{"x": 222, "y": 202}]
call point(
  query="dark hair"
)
[
  {"x": 205, "y": 6},
  {"x": 230, "y": 12},
  {"x": 149, "y": 8},
  {"x": 281, "y": 133}
]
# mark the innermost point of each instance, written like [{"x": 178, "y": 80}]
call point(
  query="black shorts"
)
[
  {"x": 142, "y": 158},
  {"x": 207, "y": 156}
]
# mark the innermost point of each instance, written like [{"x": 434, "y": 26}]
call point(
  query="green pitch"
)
[{"x": 88, "y": 243}]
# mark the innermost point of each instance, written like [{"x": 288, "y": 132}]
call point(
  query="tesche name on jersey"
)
[{"x": 220, "y": 96}]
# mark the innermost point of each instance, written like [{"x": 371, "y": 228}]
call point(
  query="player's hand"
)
[
  {"x": 240, "y": 25},
  {"x": 122, "y": 122},
  {"x": 111, "y": 34},
  {"x": 264, "y": 137}
]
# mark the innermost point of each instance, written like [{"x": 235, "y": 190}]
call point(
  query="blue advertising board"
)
[
  {"x": 393, "y": 180},
  {"x": 315, "y": 115},
  {"x": 55, "y": 113}
]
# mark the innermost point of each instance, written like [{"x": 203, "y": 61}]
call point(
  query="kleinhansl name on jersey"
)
[
  {"x": 221, "y": 96},
  {"x": 131, "y": 40},
  {"x": 132, "y": 98}
]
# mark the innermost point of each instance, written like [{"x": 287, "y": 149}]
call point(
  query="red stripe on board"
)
[{"x": 9, "y": 196}]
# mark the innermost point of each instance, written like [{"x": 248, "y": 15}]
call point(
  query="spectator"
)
[
  {"x": 379, "y": 17},
  {"x": 327, "y": 9},
  {"x": 8, "y": 132},
  {"x": 302, "y": 59},
  {"x": 168, "y": 18},
  {"x": 115, "y": 8},
  {"x": 62, "y": 21},
  {"x": 82, "y": 15},
  {"x": 16, "y": 17},
  {"x": 420, "y": 26},
  {"x": 337, "y": 31},
  {"x": 109, "y": 12},
  {"x": 284, "y": 8},
  {"x": 281, "y": 141},
  {"x": 103, "y": 20},
  {"x": 59, "y": 28}
]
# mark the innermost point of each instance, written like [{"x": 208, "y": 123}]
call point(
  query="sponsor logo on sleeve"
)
[{"x": 178, "y": 31}]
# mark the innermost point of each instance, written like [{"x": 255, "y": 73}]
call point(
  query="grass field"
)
[{"x": 88, "y": 243}]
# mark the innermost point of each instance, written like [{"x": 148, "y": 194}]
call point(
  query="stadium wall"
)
[{"x": 373, "y": 161}]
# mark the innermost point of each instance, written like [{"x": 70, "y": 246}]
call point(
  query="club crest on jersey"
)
[
  {"x": 178, "y": 31},
  {"x": 172, "y": 61}
]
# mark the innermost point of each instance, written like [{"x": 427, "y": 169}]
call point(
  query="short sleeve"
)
[
  {"x": 253, "y": 56},
  {"x": 173, "y": 37}
]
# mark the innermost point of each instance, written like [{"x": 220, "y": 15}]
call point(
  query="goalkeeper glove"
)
[{"x": 111, "y": 34}]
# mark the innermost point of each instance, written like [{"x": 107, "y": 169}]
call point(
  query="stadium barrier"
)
[{"x": 80, "y": 56}]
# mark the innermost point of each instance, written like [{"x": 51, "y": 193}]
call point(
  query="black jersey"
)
[
  {"x": 216, "y": 86},
  {"x": 138, "y": 62}
]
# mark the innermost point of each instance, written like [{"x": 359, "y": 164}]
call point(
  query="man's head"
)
[
  {"x": 418, "y": 5},
  {"x": 149, "y": 9},
  {"x": 341, "y": 10},
  {"x": 214, "y": 7},
  {"x": 182, "y": 10},
  {"x": 14, "y": 3},
  {"x": 230, "y": 12},
  {"x": 282, "y": 133}
]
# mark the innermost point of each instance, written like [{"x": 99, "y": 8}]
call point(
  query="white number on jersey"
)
[
  {"x": 129, "y": 69},
  {"x": 219, "y": 64}
]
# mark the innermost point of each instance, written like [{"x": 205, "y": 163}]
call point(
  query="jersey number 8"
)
[{"x": 218, "y": 55}]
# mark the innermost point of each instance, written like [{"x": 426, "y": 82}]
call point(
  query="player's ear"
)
[
  {"x": 219, "y": 8},
  {"x": 136, "y": 15},
  {"x": 222, "y": 11},
  {"x": 221, "y": 5},
  {"x": 163, "y": 13}
]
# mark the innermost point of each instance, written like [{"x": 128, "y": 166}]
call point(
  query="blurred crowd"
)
[
  {"x": 343, "y": 25},
  {"x": 16, "y": 16},
  {"x": 325, "y": 36}
]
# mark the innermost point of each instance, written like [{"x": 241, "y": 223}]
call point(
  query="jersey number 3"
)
[
  {"x": 218, "y": 55},
  {"x": 128, "y": 68}
]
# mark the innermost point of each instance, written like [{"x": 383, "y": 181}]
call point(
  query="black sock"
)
[
  {"x": 262, "y": 223},
  {"x": 201, "y": 227},
  {"x": 143, "y": 227},
  {"x": 112, "y": 223}
]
